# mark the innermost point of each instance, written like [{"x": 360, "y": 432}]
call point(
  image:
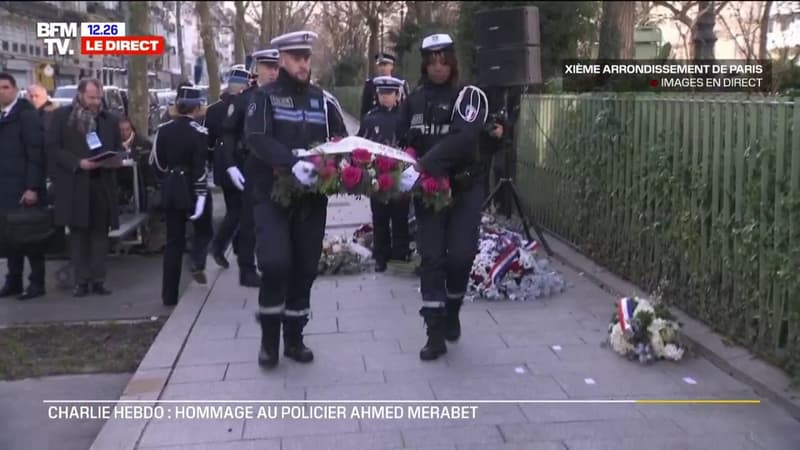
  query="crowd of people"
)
[{"x": 249, "y": 136}]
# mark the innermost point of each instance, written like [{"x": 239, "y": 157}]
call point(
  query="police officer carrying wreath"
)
[
  {"x": 389, "y": 220},
  {"x": 442, "y": 121},
  {"x": 235, "y": 151},
  {"x": 180, "y": 154},
  {"x": 288, "y": 115}
]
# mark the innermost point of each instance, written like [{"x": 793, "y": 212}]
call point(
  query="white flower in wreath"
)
[
  {"x": 673, "y": 352},
  {"x": 372, "y": 173},
  {"x": 618, "y": 342}
]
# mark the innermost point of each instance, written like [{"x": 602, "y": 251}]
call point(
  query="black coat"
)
[
  {"x": 68, "y": 147},
  {"x": 22, "y": 165}
]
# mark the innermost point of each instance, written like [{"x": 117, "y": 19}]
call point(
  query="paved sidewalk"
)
[{"x": 366, "y": 335}]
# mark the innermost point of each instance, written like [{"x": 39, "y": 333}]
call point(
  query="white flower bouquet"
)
[
  {"x": 644, "y": 332},
  {"x": 507, "y": 268},
  {"x": 342, "y": 256}
]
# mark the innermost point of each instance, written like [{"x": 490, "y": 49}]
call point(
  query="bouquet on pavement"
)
[
  {"x": 507, "y": 267},
  {"x": 644, "y": 332},
  {"x": 360, "y": 167}
]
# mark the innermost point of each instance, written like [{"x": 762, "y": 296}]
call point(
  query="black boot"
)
[
  {"x": 219, "y": 257},
  {"x": 452, "y": 326},
  {"x": 380, "y": 265},
  {"x": 249, "y": 278},
  {"x": 270, "y": 340},
  {"x": 435, "y": 347},
  {"x": 81, "y": 290},
  {"x": 11, "y": 288},
  {"x": 293, "y": 346}
]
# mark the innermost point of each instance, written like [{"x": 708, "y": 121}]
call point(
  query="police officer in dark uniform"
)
[
  {"x": 369, "y": 97},
  {"x": 283, "y": 118},
  {"x": 179, "y": 153},
  {"x": 238, "y": 80},
  {"x": 443, "y": 121},
  {"x": 380, "y": 125},
  {"x": 235, "y": 151}
]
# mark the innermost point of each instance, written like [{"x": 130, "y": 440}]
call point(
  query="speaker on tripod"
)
[{"x": 507, "y": 62}]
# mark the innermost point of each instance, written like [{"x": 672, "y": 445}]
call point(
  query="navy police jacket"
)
[
  {"x": 443, "y": 123},
  {"x": 182, "y": 145},
  {"x": 380, "y": 125},
  {"x": 283, "y": 116}
]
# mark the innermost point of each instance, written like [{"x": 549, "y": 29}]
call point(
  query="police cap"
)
[
  {"x": 384, "y": 58},
  {"x": 387, "y": 84},
  {"x": 437, "y": 43},
  {"x": 269, "y": 55},
  {"x": 188, "y": 95},
  {"x": 298, "y": 41},
  {"x": 238, "y": 76}
]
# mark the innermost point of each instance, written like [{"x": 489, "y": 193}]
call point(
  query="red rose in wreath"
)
[{"x": 351, "y": 176}]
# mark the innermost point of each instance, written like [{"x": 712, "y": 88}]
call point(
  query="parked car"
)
[{"x": 112, "y": 99}]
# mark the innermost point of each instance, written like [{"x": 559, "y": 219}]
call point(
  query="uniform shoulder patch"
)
[
  {"x": 231, "y": 109},
  {"x": 251, "y": 109},
  {"x": 281, "y": 101},
  {"x": 199, "y": 127}
]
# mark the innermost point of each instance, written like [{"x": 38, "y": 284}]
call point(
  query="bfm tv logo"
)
[{"x": 96, "y": 39}]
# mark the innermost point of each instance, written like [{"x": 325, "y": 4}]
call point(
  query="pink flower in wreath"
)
[
  {"x": 361, "y": 156},
  {"x": 385, "y": 164},
  {"x": 430, "y": 185},
  {"x": 385, "y": 182},
  {"x": 411, "y": 152},
  {"x": 444, "y": 183},
  {"x": 351, "y": 176},
  {"x": 316, "y": 160}
]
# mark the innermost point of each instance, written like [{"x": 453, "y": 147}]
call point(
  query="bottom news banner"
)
[{"x": 259, "y": 410}]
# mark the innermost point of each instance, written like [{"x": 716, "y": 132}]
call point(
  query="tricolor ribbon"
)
[
  {"x": 626, "y": 307},
  {"x": 506, "y": 260}
]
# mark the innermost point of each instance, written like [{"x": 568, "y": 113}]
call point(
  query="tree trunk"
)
[
  {"x": 139, "y": 100},
  {"x": 616, "y": 30},
  {"x": 239, "y": 30},
  {"x": 762, "y": 32},
  {"x": 703, "y": 36},
  {"x": 210, "y": 50},
  {"x": 179, "y": 30},
  {"x": 266, "y": 22},
  {"x": 374, "y": 43}
]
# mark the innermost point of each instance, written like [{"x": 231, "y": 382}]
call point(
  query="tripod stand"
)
[{"x": 507, "y": 182}]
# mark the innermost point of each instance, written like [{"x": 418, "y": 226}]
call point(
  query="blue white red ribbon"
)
[
  {"x": 626, "y": 307},
  {"x": 507, "y": 259}
]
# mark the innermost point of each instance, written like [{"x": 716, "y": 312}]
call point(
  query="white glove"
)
[
  {"x": 199, "y": 206},
  {"x": 236, "y": 177},
  {"x": 408, "y": 178},
  {"x": 128, "y": 162},
  {"x": 305, "y": 172}
]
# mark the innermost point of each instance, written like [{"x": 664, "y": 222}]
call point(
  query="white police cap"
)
[
  {"x": 436, "y": 42},
  {"x": 270, "y": 55},
  {"x": 298, "y": 40},
  {"x": 387, "y": 83}
]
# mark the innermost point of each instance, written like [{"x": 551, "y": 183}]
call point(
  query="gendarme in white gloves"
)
[
  {"x": 199, "y": 206},
  {"x": 236, "y": 177},
  {"x": 305, "y": 172},
  {"x": 408, "y": 178}
]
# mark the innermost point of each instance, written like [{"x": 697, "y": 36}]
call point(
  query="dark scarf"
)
[{"x": 81, "y": 118}]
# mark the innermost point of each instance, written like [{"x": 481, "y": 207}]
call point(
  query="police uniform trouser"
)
[
  {"x": 390, "y": 229},
  {"x": 176, "y": 243},
  {"x": 288, "y": 248},
  {"x": 447, "y": 242},
  {"x": 246, "y": 236},
  {"x": 230, "y": 223}
]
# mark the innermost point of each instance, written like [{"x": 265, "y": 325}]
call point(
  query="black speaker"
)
[
  {"x": 510, "y": 66},
  {"x": 503, "y": 27}
]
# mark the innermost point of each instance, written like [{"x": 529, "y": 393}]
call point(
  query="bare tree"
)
[
  {"x": 747, "y": 26},
  {"x": 209, "y": 48},
  {"x": 685, "y": 14},
  {"x": 278, "y": 17},
  {"x": 616, "y": 30},
  {"x": 239, "y": 31},
  {"x": 137, "y": 69}
]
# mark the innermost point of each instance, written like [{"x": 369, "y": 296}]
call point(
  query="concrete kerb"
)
[
  {"x": 767, "y": 380},
  {"x": 156, "y": 368}
]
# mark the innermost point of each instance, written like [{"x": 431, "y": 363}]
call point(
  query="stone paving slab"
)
[{"x": 366, "y": 334}]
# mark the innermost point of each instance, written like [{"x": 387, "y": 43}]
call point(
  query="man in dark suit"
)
[
  {"x": 86, "y": 198},
  {"x": 22, "y": 179}
]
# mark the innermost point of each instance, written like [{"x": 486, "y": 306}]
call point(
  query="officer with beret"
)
[
  {"x": 235, "y": 151},
  {"x": 369, "y": 98},
  {"x": 179, "y": 153},
  {"x": 238, "y": 80},
  {"x": 283, "y": 118},
  {"x": 443, "y": 122},
  {"x": 389, "y": 220}
]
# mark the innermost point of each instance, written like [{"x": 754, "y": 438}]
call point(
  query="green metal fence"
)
[
  {"x": 349, "y": 98},
  {"x": 694, "y": 196}
]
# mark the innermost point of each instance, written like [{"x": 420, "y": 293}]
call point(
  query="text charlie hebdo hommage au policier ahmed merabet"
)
[{"x": 267, "y": 412}]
